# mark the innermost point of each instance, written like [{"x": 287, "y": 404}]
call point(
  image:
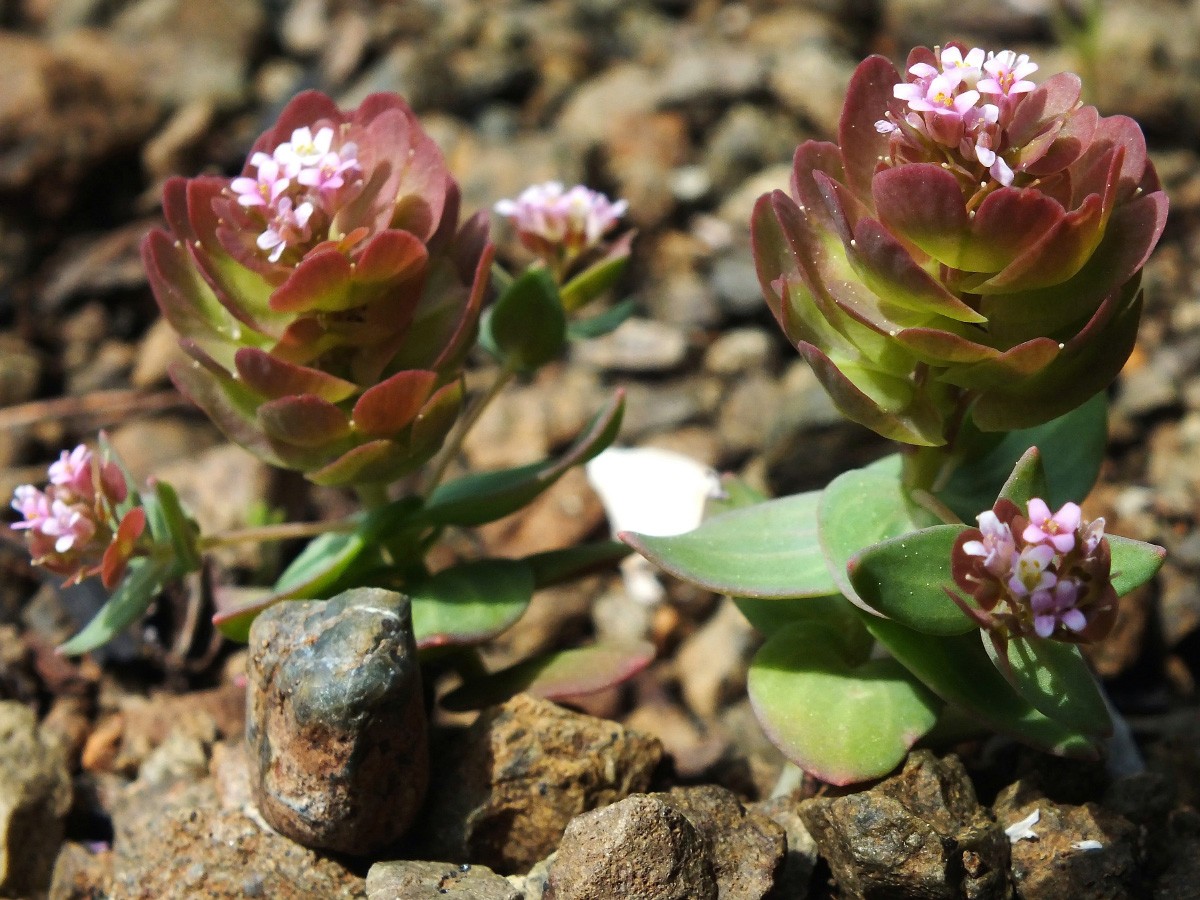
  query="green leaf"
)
[
  {"x": 143, "y": 580},
  {"x": 169, "y": 524},
  {"x": 860, "y": 508},
  {"x": 1133, "y": 563},
  {"x": 556, "y": 566},
  {"x": 476, "y": 499},
  {"x": 767, "y": 550},
  {"x": 1027, "y": 480},
  {"x": 1072, "y": 447},
  {"x": 835, "y": 611},
  {"x": 735, "y": 494},
  {"x": 1055, "y": 679},
  {"x": 905, "y": 579},
  {"x": 958, "y": 670},
  {"x": 593, "y": 281},
  {"x": 556, "y": 675},
  {"x": 836, "y": 716},
  {"x": 469, "y": 603},
  {"x": 526, "y": 327},
  {"x": 602, "y": 324}
]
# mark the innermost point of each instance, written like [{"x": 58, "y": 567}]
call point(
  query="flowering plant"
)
[
  {"x": 327, "y": 299},
  {"x": 961, "y": 270}
]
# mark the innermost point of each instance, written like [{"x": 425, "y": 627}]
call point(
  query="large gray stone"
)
[{"x": 335, "y": 721}]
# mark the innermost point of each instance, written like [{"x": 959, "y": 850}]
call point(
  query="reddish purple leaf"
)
[
  {"x": 391, "y": 256},
  {"x": 923, "y": 204},
  {"x": 389, "y": 407},
  {"x": 375, "y": 461},
  {"x": 305, "y": 421},
  {"x": 320, "y": 282},
  {"x": 273, "y": 377},
  {"x": 1052, "y": 99},
  {"x": 868, "y": 98}
]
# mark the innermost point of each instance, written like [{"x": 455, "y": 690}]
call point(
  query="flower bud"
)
[
  {"x": 972, "y": 238},
  {"x": 560, "y": 225},
  {"x": 327, "y": 295}
]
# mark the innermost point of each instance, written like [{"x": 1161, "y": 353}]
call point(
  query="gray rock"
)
[
  {"x": 35, "y": 794},
  {"x": 802, "y": 855},
  {"x": 641, "y": 847},
  {"x": 335, "y": 721},
  {"x": 740, "y": 350},
  {"x": 416, "y": 880},
  {"x": 638, "y": 345},
  {"x": 746, "y": 849},
  {"x": 511, "y": 783},
  {"x": 919, "y": 834}
]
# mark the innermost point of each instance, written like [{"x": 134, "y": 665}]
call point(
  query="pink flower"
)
[
  {"x": 1031, "y": 571},
  {"x": 74, "y": 471},
  {"x": 265, "y": 188},
  {"x": 1054, "y": 607},
  {"x": 328, "y": 173},
  {"x": 70, "y": 524},
  {"x": 997, "y": 546},
  {"x": 1008, "y": 72},
  {"x": 968, "y": 68},
  {"x": 304, "y": 150},
  {"x": 938, "y": 96},
  {"x": 552, "y": 222},
  {"x": 1057, "y": 530},
  {"x": 32, "y": 504},
  {"x": 289, "y": 225}
]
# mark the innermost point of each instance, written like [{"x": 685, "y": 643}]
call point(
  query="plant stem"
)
[
  {"x": 455, "y": 443},
  {"x": 373, "y": 495},
  {"x": 265, "y": 533}
]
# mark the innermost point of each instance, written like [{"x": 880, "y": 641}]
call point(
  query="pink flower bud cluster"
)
[
  {"x": 306, "y": 177},
  {"x": 72, "y": 527},
  {"x": 559, "y": 224},
  {"x": 945, "y": 108},
  {"x": 1044, "y": 574}
]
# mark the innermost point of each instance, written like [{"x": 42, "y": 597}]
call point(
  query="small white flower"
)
[{"x": 1023, "y": 830}]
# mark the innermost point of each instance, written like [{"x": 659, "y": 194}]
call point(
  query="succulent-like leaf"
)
[
  {"x": 305, "y": 421},
  {"x": 769, "y": 550},
  {"x": 906, "y": 577},
  {"x": 170, "y": 526},
  {"x": 390, "y": 406},
  {"x": 1055, "y": 679},
  {"x": 485, "y": 497},
  {"x": 868, "y": 95},
  {"x": 837, "y": 716},
  {"x": 1072, "y": 451},
  {"x": 471, "y": 602},
  {"x": 1133, "y": 563},
  {"x": 143, "y": 580},
  {"x": 321, "y": 282},
  {"x": 555, "y": 566},
  {"x": 835, "y": 611},
  {"x": 602, "y": 324},
  {"x": 1027, "y": 480},
  {"x": 599, "y": 277},
  {"x": 958, "y": 669},
  {"x": 274, "y": 378},
  {"x": 557, "y": 675},
  {"x": 526, "y": 326}
]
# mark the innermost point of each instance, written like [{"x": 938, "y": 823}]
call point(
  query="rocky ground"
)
[{"x": 123, "y": 774}]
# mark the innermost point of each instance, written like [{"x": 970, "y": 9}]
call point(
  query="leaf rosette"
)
[
  {"x": 972, "y": 239},
  {"x": 326, "y": 296}
]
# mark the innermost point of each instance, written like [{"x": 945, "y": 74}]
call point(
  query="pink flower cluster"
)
[
  {"x": 944, "y": 107},
  {"x": 303, "y": 177},
  {"x": 1045, "y": 573},
  {"x": 72, "y": 526},
  {"x": 559, "y": 224}
]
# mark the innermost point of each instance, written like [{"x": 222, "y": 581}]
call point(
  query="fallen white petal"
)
[
  {"x": 1023, "y": 830},
  {"x": 1087, "y": 845}
]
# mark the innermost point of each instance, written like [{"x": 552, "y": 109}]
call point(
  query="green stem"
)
[
  {"x": 267, "y": 533},
  {"x": 373, "y": 495},
  {"x": 455, "y": 443}
]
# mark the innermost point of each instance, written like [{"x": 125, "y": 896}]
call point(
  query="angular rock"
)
[
  {"x": 801, "y": 859},
  {"x": 520, "y": 773},
  {"x": 417, "y": 880},
  {"x": 919, "y": 834},
  {"x": 35, "y": 794},
  {"x": 1080, "y": 851},
  {"x": 80, "y": 874},
  {"x": 641, "y": 847},
  {"x": 335, "y": 722},
  {"x": 177, "y": 840},
  {"x": 746, "y": 849}
]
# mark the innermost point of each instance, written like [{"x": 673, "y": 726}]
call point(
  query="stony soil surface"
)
[{"x": 124, "y": 774}]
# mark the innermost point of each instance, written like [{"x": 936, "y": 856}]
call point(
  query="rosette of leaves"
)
[
  {"x": 970, "y": 241},
  {"x": 328, "y": 295}
]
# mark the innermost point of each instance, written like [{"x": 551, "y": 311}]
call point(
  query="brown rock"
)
[
  {"x": 641, "y": 847},
  {"x": 415, "y": 880},
  {"x": 176, "y": 841},
  {"x": 802, "y": 855},
  {"x": 80, "y": 874},
  {"x": 919, "y": 834},
  {"x": 335, "y": 721},
  {"x": 745, "y": 849},
  {"x": 35, "y": 794},
  {"x": 511, "y": 784},
  {"x": 1056, "y": 866}
]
